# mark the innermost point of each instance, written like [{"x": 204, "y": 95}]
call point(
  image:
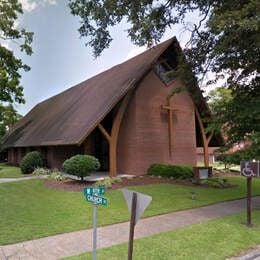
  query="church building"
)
[{"x": 124, "y": 116}]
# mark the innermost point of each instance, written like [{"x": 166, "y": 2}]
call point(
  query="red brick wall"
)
[
  {"x": 56, "y": 155},
  {"x": 143, "y": 137}
]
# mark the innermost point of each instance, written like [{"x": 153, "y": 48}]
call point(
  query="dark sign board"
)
[{"x": 250, "y": 168}]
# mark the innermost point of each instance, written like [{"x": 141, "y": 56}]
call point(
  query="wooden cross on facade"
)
[{"x": 170, "y": 110}]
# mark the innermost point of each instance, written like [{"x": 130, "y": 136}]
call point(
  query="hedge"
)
[{"x": 169, "y": 170}]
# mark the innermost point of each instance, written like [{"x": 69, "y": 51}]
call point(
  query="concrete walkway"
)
[
  {"x": 4, "y": 180},
  {"x": 96, "y": 176},
  {"x": 253, "y": 254},
  {"x": 74, "y": 243}
]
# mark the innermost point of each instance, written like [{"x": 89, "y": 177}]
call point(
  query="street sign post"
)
[
  {"x": 249, "y": 169},
  {"x": 92, "y": 195},
  {"x": 136, "y": 203}
]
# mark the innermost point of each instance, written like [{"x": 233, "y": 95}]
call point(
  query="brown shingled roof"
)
[{"x": 67, "y": 118}]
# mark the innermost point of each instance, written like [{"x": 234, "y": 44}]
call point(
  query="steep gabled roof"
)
[{"x": 67, "y": 118}]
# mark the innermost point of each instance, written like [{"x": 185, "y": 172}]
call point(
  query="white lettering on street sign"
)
[
  {"x": 142, "y": 202},
  {"x": 96, "y": 200},
  {"x": 94, "y": 190}
]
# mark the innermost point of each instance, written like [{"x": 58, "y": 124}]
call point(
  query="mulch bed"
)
[{"x": 73, "y": 185}]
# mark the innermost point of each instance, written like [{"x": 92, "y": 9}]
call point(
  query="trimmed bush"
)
[
  {"x": 81, "y": 165},
  {"x": 31, "y": 161},
  {"x": 170, "y": 171}
]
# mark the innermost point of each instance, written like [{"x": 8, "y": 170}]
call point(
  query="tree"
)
[
  {"x": 224, "y": 42},
  {"x": 235, "y": 116},
  {"x": 11, "y": 66},
  {"x": 219, "y": 100},
  {"x": 8, "y": 117}
]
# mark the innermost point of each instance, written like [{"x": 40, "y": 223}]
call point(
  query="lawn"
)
[
  {"x": 30, "y": 210},
  {"x": 7, "y": 171},
  {"x": 214, "y": 239}
]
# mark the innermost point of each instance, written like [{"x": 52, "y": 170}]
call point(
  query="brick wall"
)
[
  {"x": 143, "y": 137},
  {"x": 56, "y": 155}
]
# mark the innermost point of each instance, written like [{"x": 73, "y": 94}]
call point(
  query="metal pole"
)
[
  {"x": 94, "y": 231},
  {"x": 249, "y": 201},
  {"x": 258, "y": 168},
  {"x": 132, "y": 227}
]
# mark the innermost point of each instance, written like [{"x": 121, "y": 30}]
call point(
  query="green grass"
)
[
  {"x": 214, "y": 239},
  {"x": 30, "y": 210},
  {"x": 7, "y": 171}
]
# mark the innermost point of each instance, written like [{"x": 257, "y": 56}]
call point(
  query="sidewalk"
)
[
  {"x": 4, "y": 180},
  {"x": 74, "y": 243}
]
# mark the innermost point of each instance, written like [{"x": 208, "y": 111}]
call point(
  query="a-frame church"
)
[{"x": 123, "y": 116}]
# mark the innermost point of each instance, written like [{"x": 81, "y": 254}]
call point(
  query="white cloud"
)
[
  {"x": 30, "y": 5},
  {"x": 135, "y": 51},
  {"x": 5, "y": 44}
]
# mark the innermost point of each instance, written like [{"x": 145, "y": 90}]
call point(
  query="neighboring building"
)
[
  {"x": 123, "y": 116},
  {"x": 212, "y": 154}
]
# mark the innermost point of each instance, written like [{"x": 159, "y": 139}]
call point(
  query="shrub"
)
[
  {"x": 107, "y": 182},
  {"x": 56, "y": 175},
  {"x": 81, "y": 165},
  {"x": 217, "y": 183},
  {"x": 168, "y": 170},
  {"x": 31, "y": 161}
]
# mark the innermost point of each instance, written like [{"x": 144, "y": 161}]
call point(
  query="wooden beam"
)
[
  {"x": 114, "y": 134},
  {"x": 104, "y": 132},
  {"x": 170, "y": 123}
]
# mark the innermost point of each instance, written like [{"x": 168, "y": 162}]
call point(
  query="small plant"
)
[
  {"x": 41, "y": 171},
  {"x": 193, "y": 195},
  {"x": 57, "y": 176},
  {"x": 31, "y": 161},
  {"x": 81, "y": 165},
  {"x": 108, "y": 182},
  {"x": 116, "y": 179}
]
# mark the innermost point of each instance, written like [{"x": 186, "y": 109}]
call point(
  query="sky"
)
[{"x": 61, "y": 59}]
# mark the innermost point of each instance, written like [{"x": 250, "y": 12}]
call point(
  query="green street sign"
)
[
  {"x": 94, "y": 191},
  {"x": 96, "y": 200}
]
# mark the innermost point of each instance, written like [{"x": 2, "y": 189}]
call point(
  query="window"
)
[
  {"x": 166, "y": 65},
  {"x": 164, "y": 71}
]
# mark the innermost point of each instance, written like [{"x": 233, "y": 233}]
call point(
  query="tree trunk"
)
[{"x": 206, "y": 154}]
